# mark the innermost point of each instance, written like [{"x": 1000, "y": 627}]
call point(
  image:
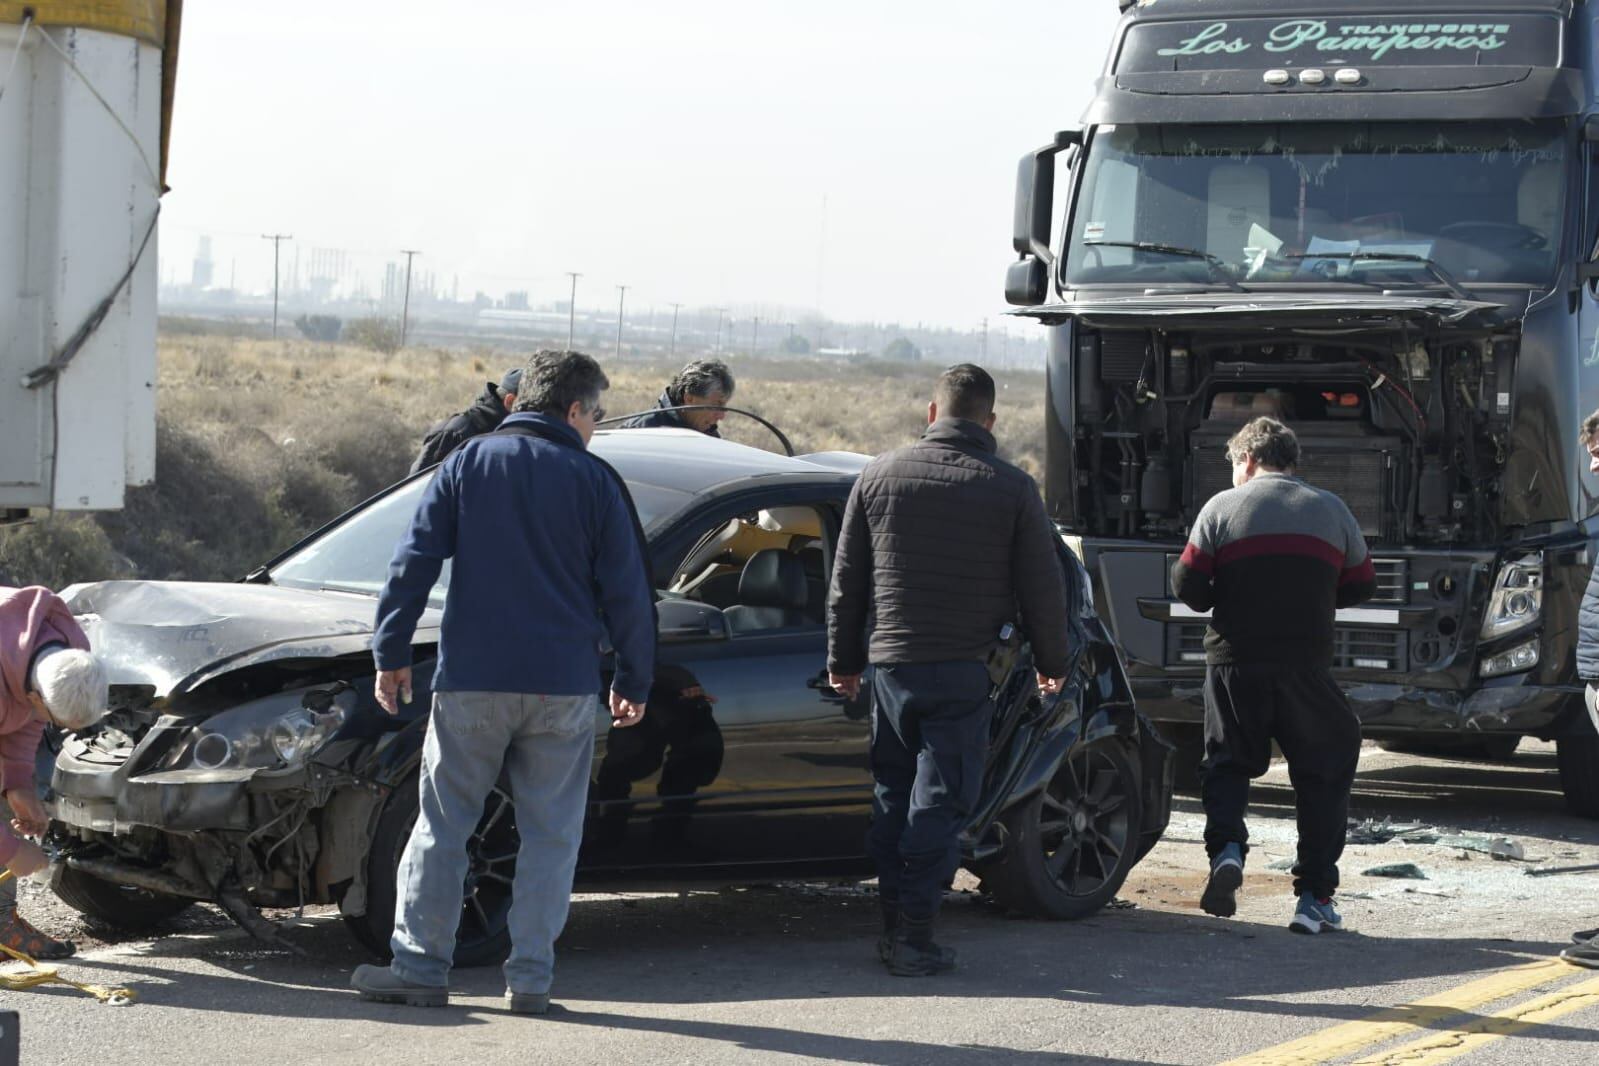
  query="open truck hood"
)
[
  {"x": 1346, "y": 310},
  {"x": 173, "y": 635}
]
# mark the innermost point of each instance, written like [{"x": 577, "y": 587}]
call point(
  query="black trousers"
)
[
  {"x": 1247, "y": 706},
  {"x": 929, "y": 737}
]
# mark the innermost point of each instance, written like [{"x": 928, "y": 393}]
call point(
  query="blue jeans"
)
[
  {"x": 929, "y": 737},
  {"x": 546, "y": 744}
]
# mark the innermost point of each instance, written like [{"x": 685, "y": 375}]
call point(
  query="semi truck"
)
[
  {"x": 1378, "y": 222},
  {"x": 85, "y": 107}
]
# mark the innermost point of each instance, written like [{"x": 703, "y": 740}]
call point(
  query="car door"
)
[{"x": 745, "y": 756}]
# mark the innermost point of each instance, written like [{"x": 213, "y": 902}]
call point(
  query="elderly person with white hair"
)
[{"x": 47, "y": 675}]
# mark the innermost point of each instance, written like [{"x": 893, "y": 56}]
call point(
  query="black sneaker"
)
[
  {"x": 913, "y": 953},
  {"x": 1586, "y": 955},
  {"x": 1585, "y": 936},
  {"x": 1226, "y": 877}
]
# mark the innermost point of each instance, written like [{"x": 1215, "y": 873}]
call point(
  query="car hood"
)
[{"x": 174, "y": 635}]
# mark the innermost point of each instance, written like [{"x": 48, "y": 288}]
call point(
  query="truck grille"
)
[
  {"x": 1393, "y": 576},
  {"x": 1353, "y": 649}
]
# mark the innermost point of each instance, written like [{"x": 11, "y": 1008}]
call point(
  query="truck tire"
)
[
  {"x": 1072, "y": 845},
  {"x": 1578, "y": 758},
  {"x": 119, "y": 906},
  {"x": 484, "y": 935}
]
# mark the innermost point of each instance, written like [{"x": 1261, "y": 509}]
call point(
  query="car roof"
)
[{"x": 687, "y": 461}]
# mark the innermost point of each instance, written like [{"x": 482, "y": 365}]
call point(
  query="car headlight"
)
[
  {"x": 1521, "y": 657},
  {"x": 269, "y": 732},
  {"x": 1517, "y": 599}
]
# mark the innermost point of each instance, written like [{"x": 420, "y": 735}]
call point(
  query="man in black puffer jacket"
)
[
  {"x": 943, "y": 544},
  {"x": 484, "y": 416},
  {"x": 1584, "y": 950}
]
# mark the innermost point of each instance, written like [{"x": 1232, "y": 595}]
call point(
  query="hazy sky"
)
[{"x": 682, "y": 148}]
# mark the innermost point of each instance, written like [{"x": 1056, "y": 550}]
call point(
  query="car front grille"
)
[{"x": 1353, "y": 649}]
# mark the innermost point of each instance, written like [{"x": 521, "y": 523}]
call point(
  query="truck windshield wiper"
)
[
  {"x": 1444, "y": 278},
  {"x": 1217, "y": 267}
]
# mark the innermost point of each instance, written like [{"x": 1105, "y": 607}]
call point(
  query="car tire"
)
[
  {"x": 1072, "y": 845},
  {"x": 119, "y": 906},
  {"x": 1578, "y": 759},
  {"x": 484, "y": 935}
]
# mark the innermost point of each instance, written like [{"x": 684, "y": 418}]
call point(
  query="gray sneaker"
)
[
  {"x": 382, "y": 985},
  {"x": 1315, "y": 916},
  {"x": 1586, "y": 955},
  {"x": 528, "y": 1002}
]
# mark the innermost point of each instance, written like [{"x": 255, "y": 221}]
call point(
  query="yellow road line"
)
[
  {"x": 1350, "y": 1037},
  {"x": 1443, "y": 1046}
]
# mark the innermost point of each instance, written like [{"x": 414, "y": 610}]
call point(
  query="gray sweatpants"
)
[{"x": 546, "y": 745}]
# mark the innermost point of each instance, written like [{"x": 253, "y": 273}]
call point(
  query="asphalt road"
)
[{"x": 1454, "y": 968}]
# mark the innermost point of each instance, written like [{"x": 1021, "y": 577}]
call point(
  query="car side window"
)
[{"x": 765, "y": 569}]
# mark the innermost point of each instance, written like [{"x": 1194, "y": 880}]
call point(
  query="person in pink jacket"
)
[{"x": 46, "y": 675}]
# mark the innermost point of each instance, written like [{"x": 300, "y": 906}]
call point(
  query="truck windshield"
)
[{"x": 1301, "y": 204}]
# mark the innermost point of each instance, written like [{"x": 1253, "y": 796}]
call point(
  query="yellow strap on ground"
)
[
  {"x": 1464, "y": 1039},
  {"x": 1342, "y": 1040},
  {"x": 44, "y": 975},
  {"x": 144, "y": 19}
]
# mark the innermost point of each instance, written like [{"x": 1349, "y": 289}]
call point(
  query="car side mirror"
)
[{"x": 685, "y": 621}]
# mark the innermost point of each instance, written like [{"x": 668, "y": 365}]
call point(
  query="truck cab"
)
[{"x": 1377, "y": 222}]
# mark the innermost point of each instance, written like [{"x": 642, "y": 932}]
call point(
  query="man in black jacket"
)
[
  {"x": 943, "y": 544},
  {"x": 703, "y": 387},
  {"x": 484, "y": 416}
]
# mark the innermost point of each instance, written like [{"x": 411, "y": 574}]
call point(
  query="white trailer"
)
[{"x": 85, "y": 100}]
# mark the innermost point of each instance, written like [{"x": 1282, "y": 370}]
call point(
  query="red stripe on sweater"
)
[
  {"x": 1363, "y": 572},
  {"x": 1196, "y": 560},
  {"x": 1299, "y": 544}
]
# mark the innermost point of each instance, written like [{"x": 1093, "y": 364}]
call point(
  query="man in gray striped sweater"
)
[{"x": 1272, "y": 559}]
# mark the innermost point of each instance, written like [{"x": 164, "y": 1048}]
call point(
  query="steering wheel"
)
[{"x": 1507, "y": 235}]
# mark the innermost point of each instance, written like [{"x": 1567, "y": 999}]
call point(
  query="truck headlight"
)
[
  {"x": 265, "y": 733},
  {"x": 1521, "y": 657},
  {"x": 1517, "y": 598}
]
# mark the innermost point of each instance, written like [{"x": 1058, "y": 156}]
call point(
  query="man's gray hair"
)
[
  {"x": 553, "y": 381},
  {"x": 1268, "y": 442},
  {"x": 703, "y": 377},
  {"x": 1588, "y": 435},
  {"x": 73, "y": 686}
]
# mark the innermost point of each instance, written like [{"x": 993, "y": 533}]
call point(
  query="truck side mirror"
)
[
  {"x": 1027, "y": 281},
  {"x": 1590, "y": 129}
]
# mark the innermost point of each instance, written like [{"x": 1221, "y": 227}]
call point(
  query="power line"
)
[
  {"x": 277, "y": 240},
  {"x": 405, "y": 307}
]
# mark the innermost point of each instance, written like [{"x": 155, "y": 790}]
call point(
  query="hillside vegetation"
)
[{"x": 259, "y": 442}]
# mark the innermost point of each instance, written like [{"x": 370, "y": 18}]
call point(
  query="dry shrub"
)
[{"x": 260, "y": 442}]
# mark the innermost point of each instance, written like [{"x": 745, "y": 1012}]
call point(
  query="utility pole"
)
[
  {"x": 277, "y": 240},
  {"x": 672, "y": 352},
  {"x": 720, "y": 311},
  {"x": 985, "y": 340},
  {"x": 621, "y": 297},
  {"x": 405, "y": 307},
  {"x": 571, "y": 309},
  {"x": 755, "y": 336}
]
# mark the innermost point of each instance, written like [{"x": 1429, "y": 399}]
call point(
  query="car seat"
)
[{"x": 771, "y": 593}]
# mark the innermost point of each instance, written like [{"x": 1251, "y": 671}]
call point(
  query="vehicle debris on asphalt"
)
[{"x": 1407, "y": 870}]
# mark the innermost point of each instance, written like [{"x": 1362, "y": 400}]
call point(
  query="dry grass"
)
[{"x": 259, "y": 442}]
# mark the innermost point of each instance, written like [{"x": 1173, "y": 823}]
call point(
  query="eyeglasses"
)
[{"x": 598, "y": 414}]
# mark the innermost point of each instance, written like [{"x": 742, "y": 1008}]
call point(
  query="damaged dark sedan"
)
[{"x": 244, "y": 760}]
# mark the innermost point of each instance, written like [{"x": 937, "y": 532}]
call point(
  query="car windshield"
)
[
  {"x": 354, "y": 555},
  {"x": 1389, "y": 204}
]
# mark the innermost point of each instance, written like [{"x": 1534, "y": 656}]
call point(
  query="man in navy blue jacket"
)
[{"x": 547, "y": 561}]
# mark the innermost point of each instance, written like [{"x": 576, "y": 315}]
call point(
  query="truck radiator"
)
[{"x": 1355, "y": 469}]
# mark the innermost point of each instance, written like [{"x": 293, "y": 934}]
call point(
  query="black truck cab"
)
[{"x": 1378, "y": 222}]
